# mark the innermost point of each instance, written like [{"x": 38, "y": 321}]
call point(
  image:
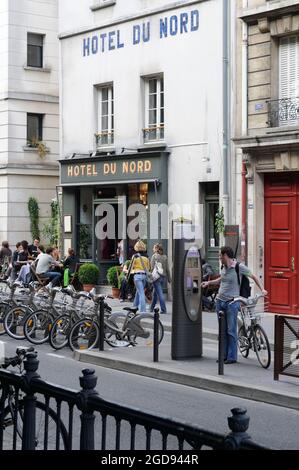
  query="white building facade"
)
[
  {"x": 29, "y": 113},
  {"x": 141, "y": 112}
]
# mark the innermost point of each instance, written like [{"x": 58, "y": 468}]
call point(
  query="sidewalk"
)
[{"x": 246, "y": 379}]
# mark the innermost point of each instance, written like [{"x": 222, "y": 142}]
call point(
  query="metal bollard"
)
[
  {"x": 221, "y": 317},
  {"x": 238, "y": 424},
  {"x": 29, "y": 419},
  {"x": 101, "y": 325},
  {"x": 156, "y": 334},
  {"x": 88, "y": 383}
]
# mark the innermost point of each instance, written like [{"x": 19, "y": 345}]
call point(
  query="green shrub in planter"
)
[
  {"x": 112, "y": 276},
  {"x": 89, "y": 273}
]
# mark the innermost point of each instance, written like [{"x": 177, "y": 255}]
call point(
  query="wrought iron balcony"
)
[
  {"x": 284, "y": 112},
  {"x": 104, "y": 138},
  {"x": 153, "y": 133}
]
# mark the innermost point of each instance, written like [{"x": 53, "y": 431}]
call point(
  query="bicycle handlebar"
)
[{"x": 248, "y": 301}]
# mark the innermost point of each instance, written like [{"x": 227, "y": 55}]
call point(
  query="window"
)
[
  {"x": 34, "y": 129},
  {"x": 154, "y": 109},
  {"x": 35, "y": 50},
  {"x": 105, "y": 134},
  {"x": 289, "y": 80}
]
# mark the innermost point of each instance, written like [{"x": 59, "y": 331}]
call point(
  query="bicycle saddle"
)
[{"x": 131, "y": 309}]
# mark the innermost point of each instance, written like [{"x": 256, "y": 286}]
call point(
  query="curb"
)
[
  {"x": 204, "y": 382},
  {"x": 211, "y": 334}
]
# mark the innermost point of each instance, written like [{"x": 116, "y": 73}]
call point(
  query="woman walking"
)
[
  {"x": 159, "y": 264},
  {"x": 139, "y": 267}
]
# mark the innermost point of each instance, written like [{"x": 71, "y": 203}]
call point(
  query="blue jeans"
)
[
  {"x": 139, "y": 300},
  {"x": 231, "y": 334},
  {"x": 158, "y": 294},
  {"x": 54, "y": 277}
]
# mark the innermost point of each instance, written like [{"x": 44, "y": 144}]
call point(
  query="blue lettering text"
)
[
  {"x": 111, "y": 40},
  {"x": 184, "y": 22},
  {"x": 103, "y": 37},
  {"x": 119, "y": 43},
  {"x": 136, "y": 34},
  {"x": 163, "y": 28},
  {"x": 86, "y": 46},
  {"x": 173, "y": 25},
  {"x": 146, "y": 31},
  {"x": 94, "y": 44},
  {"x": 194, "y": 20}
]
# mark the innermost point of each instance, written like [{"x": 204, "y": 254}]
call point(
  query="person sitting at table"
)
[
  {"x": 33, "y": 249},
  {"x": 44, "y": 263},
  {"x": 21, "y": 259},
  {"x": 70, "y": 265}
]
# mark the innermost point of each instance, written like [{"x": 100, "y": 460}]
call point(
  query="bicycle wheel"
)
[
  {"x": 4, "y": 307},
  {"x": 243, "y": 342},
  {"x": 261, "y": 346},
  {"x": 14, "y": 320},
  {"x": 37, "y": 327},
  {"x": 141, "y": 330},
  {"x": 114, "y": 328},
  {"x": 84, "y": 335},
  {"x": 41, "y": 414},
  {"x": 59, "y": 334}
]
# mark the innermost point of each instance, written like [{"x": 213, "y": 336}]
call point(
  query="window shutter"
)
[
  {"x": 289, "y": 67},
  {"x": 288, "y": 80}
]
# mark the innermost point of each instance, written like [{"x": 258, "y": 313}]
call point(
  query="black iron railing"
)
[
  {"x": 35, "y": 414},
  {"x": 286, "y": 354},
  {"x": 284, "y": 112}
]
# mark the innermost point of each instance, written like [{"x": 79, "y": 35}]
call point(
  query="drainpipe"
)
[
  {"x": 244, "y": 132},
  {"x": 226, "y": 110},
  {"x": 244, "y": 215}
]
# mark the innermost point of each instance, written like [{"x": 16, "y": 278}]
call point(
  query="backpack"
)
[{"x": 245, "y": 289}]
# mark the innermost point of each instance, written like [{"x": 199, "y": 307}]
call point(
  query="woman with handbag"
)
[
  {"x": 160, "y": 271},
  {"x": 140, "y": 267}
]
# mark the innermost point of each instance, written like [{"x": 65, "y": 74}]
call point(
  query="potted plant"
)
[
  {"x": 112, "y": 278},
  {"x": 88, "y": 276}
]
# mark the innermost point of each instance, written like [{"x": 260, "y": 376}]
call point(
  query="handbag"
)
[{"x": 149, "y": 276}]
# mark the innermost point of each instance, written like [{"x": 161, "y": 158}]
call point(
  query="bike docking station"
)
[{"x": 186, "y": 337}]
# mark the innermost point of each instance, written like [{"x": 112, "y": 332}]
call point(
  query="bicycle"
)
[
  {"x": 120, "y": 329},
  {"x": 38, "y": 324},
  {"x": 128, "y": 327},
  {"x": 251, "y": 335},
  {"x": 61, "y": 327},
  {"x": 12, "y": 414}
]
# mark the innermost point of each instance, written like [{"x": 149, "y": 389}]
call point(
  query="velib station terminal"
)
[{"x": 141, "y": 120}]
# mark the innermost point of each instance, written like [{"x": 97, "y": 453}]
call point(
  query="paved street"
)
[{"x": 270, "y": 425}]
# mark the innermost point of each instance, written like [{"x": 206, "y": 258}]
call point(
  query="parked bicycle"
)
[
  {"x": 49, "y": 427},
  {"x": 251, "y": 335},
  {"x": 62, "y": 325},
  {"x": 133, "y": 328},
  {"x": 120, "y": 329}
]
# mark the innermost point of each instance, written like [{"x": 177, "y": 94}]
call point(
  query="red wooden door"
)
[{"x": 281, "y": 242}]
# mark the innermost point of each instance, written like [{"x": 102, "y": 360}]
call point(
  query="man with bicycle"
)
[{"x": 228, "y": 290}]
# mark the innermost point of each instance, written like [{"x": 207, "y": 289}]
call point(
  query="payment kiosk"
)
[{"x": 186, "y": 340}]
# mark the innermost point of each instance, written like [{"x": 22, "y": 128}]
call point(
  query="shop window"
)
[
  {"x": 35, "y": 45},
  {"x": 105, "y": 133},
  {"x": 154, "y": 109}
]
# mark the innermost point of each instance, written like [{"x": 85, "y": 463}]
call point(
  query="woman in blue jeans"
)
[
  {"x": 159, "y": 263},
  {"x": 139, "y": 266}
]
